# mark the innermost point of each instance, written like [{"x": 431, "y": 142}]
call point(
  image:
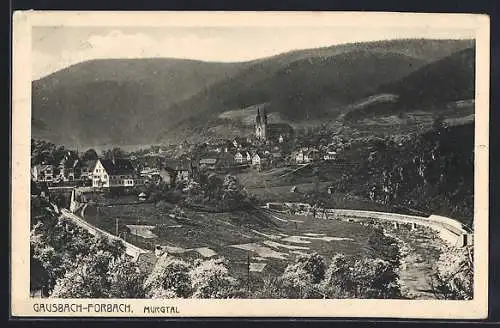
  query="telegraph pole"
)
[
  {"x": 116, "y": 226},
  {"x": 248, "y": 271},
  {"x": 136, "y": 231}
]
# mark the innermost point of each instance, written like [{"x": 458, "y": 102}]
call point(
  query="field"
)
[
  {"x": 259, "y": 244},
  {"x": 270, "y": 241}
]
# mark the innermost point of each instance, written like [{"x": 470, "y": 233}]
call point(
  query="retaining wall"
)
[
  {"x": 449, "y": 230},
  {"x": 130, "y": 249}
]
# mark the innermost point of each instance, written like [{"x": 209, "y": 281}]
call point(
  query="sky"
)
[{"x": 57, "y": 47}]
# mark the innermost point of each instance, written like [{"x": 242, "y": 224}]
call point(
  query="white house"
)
[
  {"x": 280, "y": 139},
  {"x": 260, "y": 160},
  {"x": 330, "y": 155},
  {"x": 257, "y": 159},
  {"x": 87, "y": 170},
  {"x": 311, "y": 155},
  {"x": 113, "y": 173},
  {"x": 238, "y": 157},
  {"x": 249, "y": 157},
  {"x": 42, "y": 173},
  {"x": 299, "y": 157}
]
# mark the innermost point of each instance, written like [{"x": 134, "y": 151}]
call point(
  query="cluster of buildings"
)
[
  {"x": 69, "y": 169},
  {"x": 268, "y": 147},
  {"x": 100, "y": 173}
]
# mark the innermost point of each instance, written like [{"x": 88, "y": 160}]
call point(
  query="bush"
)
[
  {"x": 211, "y": 279},
  {"x": 126, "y": 279},
  {"x": 170, "y": 277},
  {"x": 454, "y": 275},
  {"x": 299, "y": 280},
  {"x": 348, "y": 277}
]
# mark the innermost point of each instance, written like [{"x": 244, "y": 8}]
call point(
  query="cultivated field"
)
[{"x": 271, "y": 241}]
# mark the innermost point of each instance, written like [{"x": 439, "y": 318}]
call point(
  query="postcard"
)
[{"x": 242, "y": 164}]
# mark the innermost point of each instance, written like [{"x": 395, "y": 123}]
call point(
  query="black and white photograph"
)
[{"x": 224, "y": 161}]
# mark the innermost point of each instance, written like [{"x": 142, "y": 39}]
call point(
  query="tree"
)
[
  {"x": 90, "y": 155},
  {"x": 453, "y": 276},
  {"x": 212, "y": 187},
  {"x": 301, "y": 279},
  {"x": 312, "y": 264},
  {"x": 88, "y": 278},
  {"x": 42, "y": 152},
  {"x": 211, "y": 279},
  {"x": 349, "y": 277},
  {"x": 126, "y": 279},
  {"x": 170, "y": 278},
  {"x": 232, "y": 192},
  {"x": 116, "y": 153},
  {"x": 384, "y": 247},
  {"x": 438, "y": 122},
  {"x": 114, "y": 247}
]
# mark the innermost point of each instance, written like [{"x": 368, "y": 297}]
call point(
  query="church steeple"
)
[{"x": 261, "y": 125}]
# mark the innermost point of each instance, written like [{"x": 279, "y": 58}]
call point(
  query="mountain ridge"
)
[{"x": 123, "y": 101}]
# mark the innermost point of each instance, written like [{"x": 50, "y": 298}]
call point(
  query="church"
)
[
  {"x": 264, "y": 131},
  {"x": 261, "y": 125}
]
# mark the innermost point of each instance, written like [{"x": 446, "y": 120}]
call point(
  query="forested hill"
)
[
  {"x": 143, "y": 101},
  {"x": 433, "y": 172}
]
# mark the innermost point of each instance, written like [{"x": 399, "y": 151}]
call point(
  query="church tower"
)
[{"x": 261, "y": 125}]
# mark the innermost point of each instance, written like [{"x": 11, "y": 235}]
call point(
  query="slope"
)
[
  {"x": 430, "y": 88},
  {"x": 102, "y": 100},
  {"x": 145, "y": 100}
]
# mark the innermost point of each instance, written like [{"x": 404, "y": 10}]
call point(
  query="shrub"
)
[
  {"x": 348, "y": 277},
  {"x": 170, "y": 277},
  {"x": 211, "y": 279},
  {"x": 126, "y": 279},
  {"x": 454, "y": 275}
]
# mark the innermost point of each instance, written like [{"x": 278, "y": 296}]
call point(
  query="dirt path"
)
[{"x": 419, "y": 253}]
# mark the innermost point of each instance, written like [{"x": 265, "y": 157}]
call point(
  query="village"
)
[{"x": 270, "y": 147}]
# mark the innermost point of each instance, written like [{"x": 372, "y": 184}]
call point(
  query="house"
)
[
  {"x": 311, "y": 155},
  {"x": 330, "y": 155},
  {"x": 87, "y": 168},
  {"x": 167, "y": 175},
  {"x": 259, "y": 160},
  {"x": 248, "y": 156},
  {"x": 209, "y": 163},
  {"x": 281, "y": 139},
  {"x": 276, "y": 155},
  {"x": 111, "y": 173},
  {"x": 299, "y": 157},
  {"x": 69, "y": 168},
  {"x": 238, "y": 158},
  {"x": 181, "y": 170},
  {"x": 225, "y": 161},
  {"x": 42, "y": 173},
  {"x": 142, "y": 196}
]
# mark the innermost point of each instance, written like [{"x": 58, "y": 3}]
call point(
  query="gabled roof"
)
[
  {"x": 118, "y": 166},
  {"x": 42, "y": 167},
  {"x": 90, "y": 164},
  {"x": 208, "y": 161},
  {"x": 178, "y": 165}
]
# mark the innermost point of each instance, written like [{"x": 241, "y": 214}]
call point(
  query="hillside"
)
[
  {"x": 305, "y": 89},
  {"x": 101, "y": 101},
  {"x": 430, "y": 88},
  {"x": 149, "y": 100},
  {"x": 433, "y": 173}
]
